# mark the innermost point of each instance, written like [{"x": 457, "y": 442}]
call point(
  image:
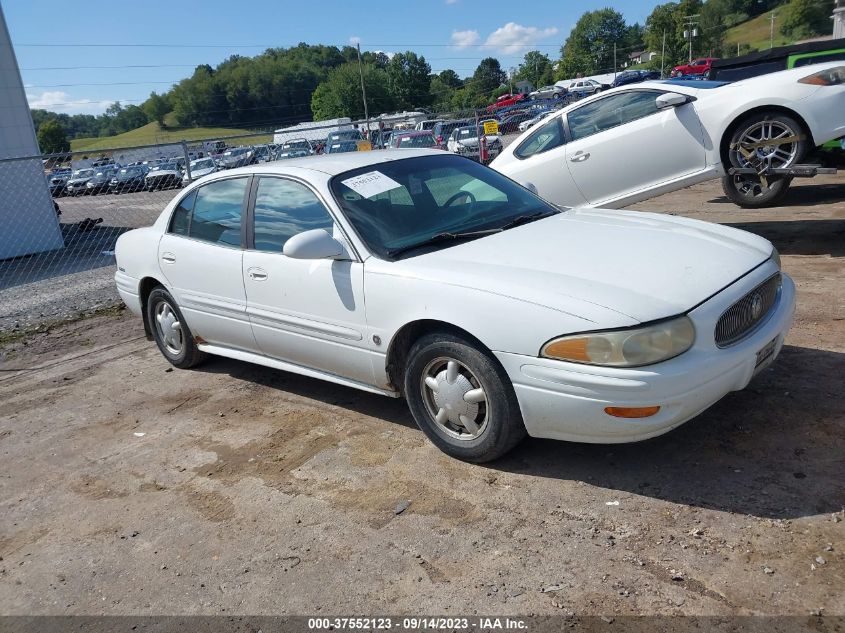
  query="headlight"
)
[
  {"x": 775, "y": 257},
  {"x": 830, "y": 77},
  {"x": 625, "y": 348}
]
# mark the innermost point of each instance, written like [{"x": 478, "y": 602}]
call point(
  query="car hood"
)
[
  {"x": 163, "y": 172},
  {"x": 199, "y": 173},
  {"x": 79, "y": 181},
  {"x": 473, "y": 142},
  {"x": 639, "y": 265}
]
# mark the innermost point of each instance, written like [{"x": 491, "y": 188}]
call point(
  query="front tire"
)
[
  {"x": 764, "y": 139},
  {"x": 170, "y": 331},
  {"x": 462, "y": 399}
]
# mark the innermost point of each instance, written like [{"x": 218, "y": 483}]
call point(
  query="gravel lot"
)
[{"x": 129, "y": 488}]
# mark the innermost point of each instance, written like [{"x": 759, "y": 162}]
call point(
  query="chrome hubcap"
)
[
  {"x": 766, "y": 144},
  {"x": 455, "y": 398},
  {"x": 169, "y": 328}
]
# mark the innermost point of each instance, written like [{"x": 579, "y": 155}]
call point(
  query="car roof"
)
[{"x": 334, "y": 164}]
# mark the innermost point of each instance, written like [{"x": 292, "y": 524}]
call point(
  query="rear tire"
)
[
  {"x": 744, "y": 150},
  {"x": 170, "y": 331},
  {"x": 461, "y": 398}
]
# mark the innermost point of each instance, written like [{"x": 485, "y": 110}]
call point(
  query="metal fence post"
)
[{"x": 187, "y": 161}]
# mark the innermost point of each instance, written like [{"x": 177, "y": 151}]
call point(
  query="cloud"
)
[
  {"x": 515, "y": 38},
  {"x": 354, "y": 40},
  {"x": 463, "y": 39},
  {"x": 60, "y": 101}
]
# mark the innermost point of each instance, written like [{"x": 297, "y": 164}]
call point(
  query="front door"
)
[
  {"x": 200, "y": 256},
  {"x": 541, "y": 161},
  {"x": 621, "y": 146},
  {"x": 306, "y": 312}
]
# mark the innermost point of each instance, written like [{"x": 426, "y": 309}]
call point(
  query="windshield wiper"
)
[
  {"x": 441, "y": 237},
  {"x": 525, "y": 219}
]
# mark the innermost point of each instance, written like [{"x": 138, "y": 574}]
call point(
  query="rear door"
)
[
  {"x": 621, "y": 145},
  {"x": 201, "y": 258}
]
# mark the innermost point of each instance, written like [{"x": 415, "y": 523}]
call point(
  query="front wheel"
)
[
  {"x": 763, "y": 140},
  {"x": 462, "y": 399}
]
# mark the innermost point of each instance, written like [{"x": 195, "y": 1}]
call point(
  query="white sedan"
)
[
  {"x": 422, "y": 274},
  {"x": 641, "y": 140}
]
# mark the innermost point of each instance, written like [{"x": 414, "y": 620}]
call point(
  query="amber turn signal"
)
[{"x": 631, "y": 412}]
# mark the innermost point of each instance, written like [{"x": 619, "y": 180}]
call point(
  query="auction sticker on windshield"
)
[{"x": 370, "y": 184}]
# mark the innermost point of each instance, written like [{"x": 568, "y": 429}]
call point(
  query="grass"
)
[
  {"x": 15, "y": 336},
  {"x": 755, "y": 34},
  {"x": 153, "y": 133}
]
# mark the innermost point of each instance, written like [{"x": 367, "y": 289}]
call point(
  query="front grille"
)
[{"x": 742, "y": 317}]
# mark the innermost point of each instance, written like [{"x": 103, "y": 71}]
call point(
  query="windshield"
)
[
  {"x": 296, "y": 145},
  {"x": 235, "y": 152},
  {"x": 165, "y": 166},
  {"x": 83, "y": 173},
  {"x": 344, "y": 135},
  {"x": 400, "y": 203},
  {"x": 205, "y": 163},
  {"x": 420, "y": 140}
]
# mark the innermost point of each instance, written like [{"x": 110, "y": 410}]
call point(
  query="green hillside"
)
[
  {"x": 754, "y": 35},
  {"x": 153, "y": 133}
]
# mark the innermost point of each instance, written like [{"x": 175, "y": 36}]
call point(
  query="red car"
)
[
  {"x": 699, "y": 66},
  {"x": 506, "y": 100}
]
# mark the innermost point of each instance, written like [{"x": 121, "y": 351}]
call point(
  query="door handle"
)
[
  {"x": 257, "y": 274},
  {"x": 169, "y": 258},
  {"x": 580, "y": 157}
]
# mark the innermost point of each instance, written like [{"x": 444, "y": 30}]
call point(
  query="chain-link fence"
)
[{"x": 64, "y": 212}]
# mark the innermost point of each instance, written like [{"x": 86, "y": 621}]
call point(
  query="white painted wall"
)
[
  {"x": 28, "y": 222},
  {"x": 839, "y": 19}
]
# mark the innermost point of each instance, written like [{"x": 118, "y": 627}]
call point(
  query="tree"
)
[
  {"x": 340, "y": 94},
  {"x": 536, "y": 67},
  {"x": 489, "y": 75},
  {"x": 450, "y": 78},
  {"x": 156, "y": 107},
  {"x": 52, "y": 138},
  {"x": 409, "y": 80},
  {"x": 589, "y": 48},
  {"x": 669, "y": 18},
  {"x": 802, "y": 19}
]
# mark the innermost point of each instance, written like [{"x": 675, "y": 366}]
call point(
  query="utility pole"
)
[
  {"x": 363, "y": 91},
  {"x": 614, "y": 61},
  {"x": 772, "y": 29},
  {"x": 690, "y": 30},
  {"x": 663, "y": 54}
]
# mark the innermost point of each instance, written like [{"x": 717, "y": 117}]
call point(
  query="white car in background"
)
[
  {"x": 641, "y": 140},
  {"x": 199, "y": 168},
  {"x": 421, "y": 274}
]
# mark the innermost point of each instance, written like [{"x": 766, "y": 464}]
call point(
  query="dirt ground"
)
[{"x": 130, "y": 488}]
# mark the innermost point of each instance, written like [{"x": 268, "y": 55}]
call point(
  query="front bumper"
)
[{"x": 566, "y": 401}]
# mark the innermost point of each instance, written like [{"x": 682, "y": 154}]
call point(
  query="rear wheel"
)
[
  {"x": 462, "y": 399},
  {"x": 170, "y": 331},
  {"x": 763, "y": 140}
]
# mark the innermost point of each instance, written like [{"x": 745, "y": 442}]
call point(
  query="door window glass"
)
[
  {"x": 611, "y": 111},
  {"x": 217, "y": 212},
  {"x": 181, "y": 218},
  {"x": 546, "y": 137},
  {"x": 284, "y": 208}
]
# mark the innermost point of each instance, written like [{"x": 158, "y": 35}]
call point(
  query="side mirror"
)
[
  {"x": 314, "y": 244},
  {"x": 530, "y": 186},
  {"x": 670, "y": 100}
]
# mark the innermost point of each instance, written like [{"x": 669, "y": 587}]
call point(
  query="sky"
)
[{"x": 79, "y": 57}]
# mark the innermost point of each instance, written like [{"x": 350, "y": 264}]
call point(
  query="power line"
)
[{"x": 406, "y": 46}]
